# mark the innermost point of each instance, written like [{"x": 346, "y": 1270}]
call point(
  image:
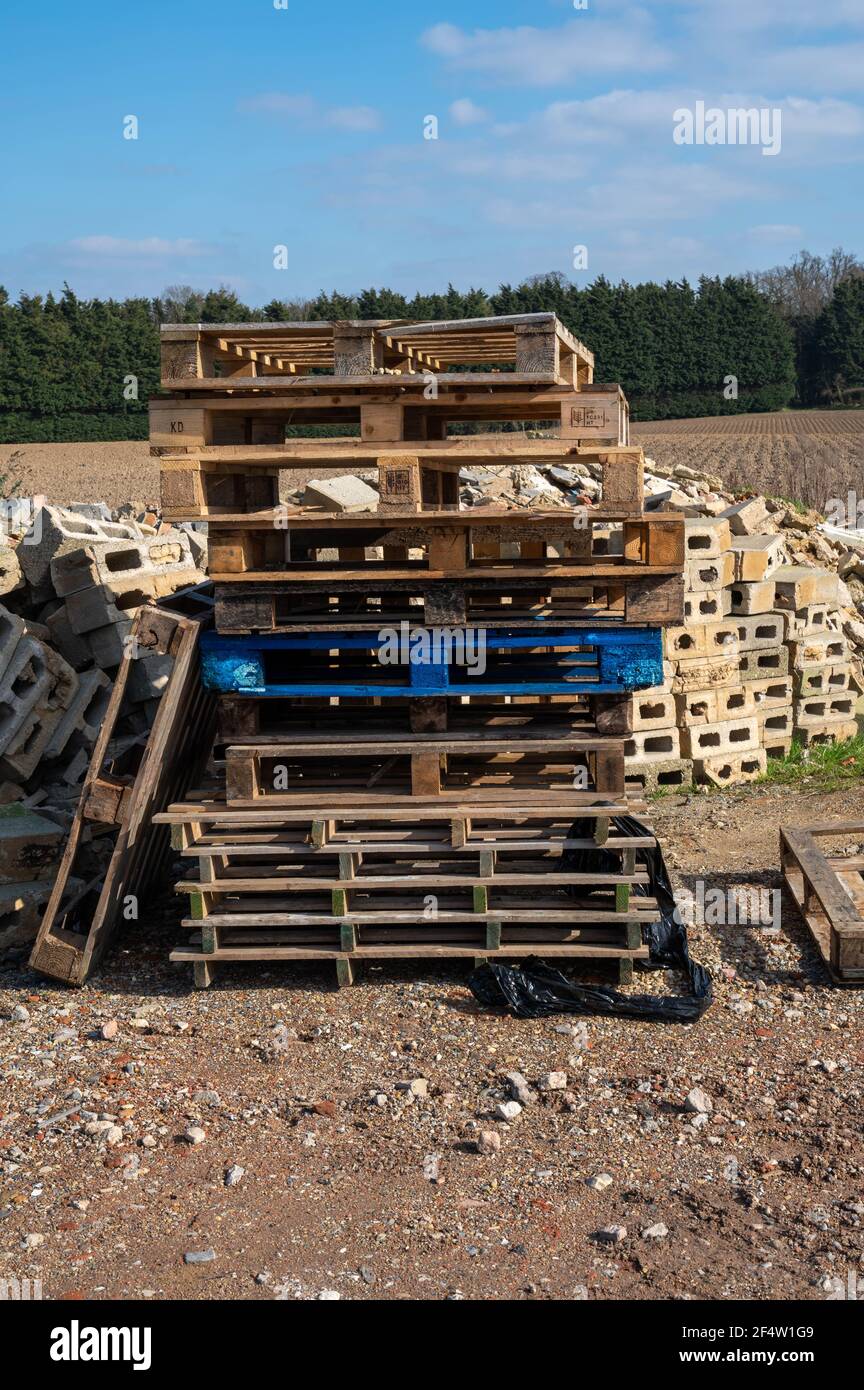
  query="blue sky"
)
[{"x": 303, "y": 126}]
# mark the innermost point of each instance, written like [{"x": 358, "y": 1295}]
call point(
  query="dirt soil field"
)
[{"x": 316, "y": 1173}]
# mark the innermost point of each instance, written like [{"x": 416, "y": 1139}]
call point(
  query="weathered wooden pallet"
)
[
  {"x": 201, "y": 480},
  {"x": 249, "y": 948},
  {"x": 829, "y": 891},
  {"x": 242, "y": 717},
  {"x": 386, "y": 413},
  {"x": 371, "y": 352},
  {"x": 400, "y": 663},
  {"x": 124, "y": 795},
  {"x": 275, "y": 769},
  {"x": 312, "y": 542},
  {"x": 616, "y": 595},
  {"x": 471, "y": 820}
]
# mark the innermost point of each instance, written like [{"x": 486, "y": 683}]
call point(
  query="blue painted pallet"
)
[{"x": 434, "y": 661}]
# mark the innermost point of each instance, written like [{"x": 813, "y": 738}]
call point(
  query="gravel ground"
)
[{"x": 275, "y": 1139}]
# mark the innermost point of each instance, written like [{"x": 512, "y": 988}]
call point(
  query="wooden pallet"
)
[
  {"x": 829, "y": 891},
  {"x": 458, "y": 821},
  {"x": 615, "y": 595},
  {"x": 543, "y": 758},
  {"x": 201, "y": 480},
  {"x": 124, "y": 795},
  {"x": 258, "y": 948},
  {"x": 310, "y": 541},
  {"x": 385, "y": 413},
  {"x": 334, "y": 354},
  {"x": 493, "y": 884},
  {"x": 241, "y": 718},
  {"x": 402, "y": 662}
]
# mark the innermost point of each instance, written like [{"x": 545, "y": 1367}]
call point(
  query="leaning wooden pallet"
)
[
  {"x": 122, "y": 795},
  {"x": 829, "y": 892},
  {"x": 446, "y": 824}
]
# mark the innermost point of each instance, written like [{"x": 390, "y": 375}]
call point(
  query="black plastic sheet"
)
[{"x": 534, "y": 989}]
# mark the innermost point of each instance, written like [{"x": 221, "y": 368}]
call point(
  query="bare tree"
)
[{"x": 803, "y": 288}]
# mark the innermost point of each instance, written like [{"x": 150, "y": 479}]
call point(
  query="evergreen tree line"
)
[{"x": 73, "y": 369}]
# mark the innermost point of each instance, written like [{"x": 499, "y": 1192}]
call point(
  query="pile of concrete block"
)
[
  {"x": 762, "y": 659},
  {"x": 74, "y": 579}
]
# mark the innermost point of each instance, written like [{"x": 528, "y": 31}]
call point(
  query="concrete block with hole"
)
[
  {"x": 652, "y": 710},
  {"x": 757, "y": 557},
  {"x": 705, "y": 539},
  {"x": 823, "y": 680},
  {"x": 707, "y": 575},
  {"x": 775, "y": 725},
  {"x": 732, "y": 702},
  {"x": 820, "y": 709},
  {"x": 652, "y": 745},
  {"x": 12, "y": 629},
  {"x": 761, "y": 630},
  {"x": 812, "y": 621},
  {"x": 666, "y": 775},
  {"x": 730, "y": 770},
  {"x": 26, "y": 683},
  {"x": 56, "y": 531},
  {"x": 763, "y": 663},
  {"x": 830, "y": 731},
  {"x": 823, "y": 649},
  {"x": 702, "y": 639},
  {"x": 85, "y": 713},
  {"x": 716, "y": 740},
  {"x": 165, "y": 562},
  {"x": 769, "y": 693},
  {"x": 755, "y": 597},
  {"x": 707, "y": 607}
]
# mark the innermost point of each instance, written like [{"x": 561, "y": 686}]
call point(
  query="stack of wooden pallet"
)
[{"x": 423, "y": 707}]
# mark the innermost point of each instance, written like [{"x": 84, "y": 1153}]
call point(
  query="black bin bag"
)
[{"x": 534, "y": 989}]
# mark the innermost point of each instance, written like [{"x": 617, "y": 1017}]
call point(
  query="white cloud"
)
[
  {"x": 128, "y": 248},
  {"x": 304, "y": 108},
  {"x": 808, "y": 67},
  {"x": 464, "y": 112},
  {"x": 353, "y": 118},
  {"x": 754, "y": 15},
  {"x": 542, "y": 57}
]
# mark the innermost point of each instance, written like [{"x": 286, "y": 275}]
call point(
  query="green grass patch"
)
[{"x": 828, "y": 765}]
